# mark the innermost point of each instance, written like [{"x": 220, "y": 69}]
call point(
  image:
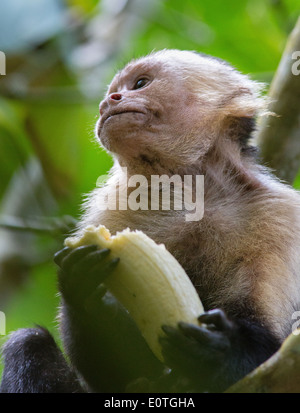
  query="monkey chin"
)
[{"x": 120, "y": 130}]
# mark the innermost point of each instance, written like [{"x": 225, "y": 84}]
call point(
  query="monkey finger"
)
[
  {"x": 180, "y": 351},
  {"x": 60, "y": 255},
  {"x": 101, "y": 290},
  {"x": 94, "y": 277},
  {"x": 75, "y": 255},
  {"x": 94, "y": 300},
  {"x": 200, "y": 334},
  {"x": 204, "y": 336},
  {"x": 170, "y": 331},
  {"x": 76, "y": 287},
  {"x": 91, "y": 259},
  {"x": 105, "y": 308},
  {"x": 101, "y": 271},
  {"x": 176, "y": 339},
  {"x": 216, "y": 317}
]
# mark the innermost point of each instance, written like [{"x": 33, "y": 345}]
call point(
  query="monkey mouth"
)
[{"x": 109, "y": 115}]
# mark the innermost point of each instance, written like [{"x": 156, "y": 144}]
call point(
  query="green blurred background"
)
[{"x": 60, "y": 56}]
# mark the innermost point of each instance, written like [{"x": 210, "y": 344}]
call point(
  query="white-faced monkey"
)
[{"x": 177, "y": 112}]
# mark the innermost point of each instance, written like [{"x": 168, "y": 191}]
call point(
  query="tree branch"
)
[{"x": 279, "y": 136}]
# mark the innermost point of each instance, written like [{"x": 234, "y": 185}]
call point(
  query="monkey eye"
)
[{"x": 140, "y": 83}]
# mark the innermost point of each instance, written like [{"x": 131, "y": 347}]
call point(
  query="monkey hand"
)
[
  {"x": 199, "y": 352},
  {"x": 81, "y": 273},
  {"x": 97, "y": 324}
]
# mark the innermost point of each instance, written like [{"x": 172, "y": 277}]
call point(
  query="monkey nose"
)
[{"x": 115, "y": 96}]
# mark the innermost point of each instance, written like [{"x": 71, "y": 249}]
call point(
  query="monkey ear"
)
[
  {"x": 240, "y": 109},
  {"x": 244, "y": 102},
  {"x": 240, "y": 129}
]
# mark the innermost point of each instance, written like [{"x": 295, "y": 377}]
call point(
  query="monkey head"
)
[{"x": 171, "y": 106}]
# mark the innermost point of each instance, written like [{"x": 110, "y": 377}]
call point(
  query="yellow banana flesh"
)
[{"x": 148, "y": 281}]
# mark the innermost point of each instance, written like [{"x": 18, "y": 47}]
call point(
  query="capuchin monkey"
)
[{"x": 176, "y": 113}]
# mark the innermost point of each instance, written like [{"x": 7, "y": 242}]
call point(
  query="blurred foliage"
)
[{"x": 60, "y": 55}]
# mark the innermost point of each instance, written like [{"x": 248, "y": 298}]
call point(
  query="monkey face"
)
[
  {"x": 170, "y": 105},
  {"x": 147, "y": 110}
]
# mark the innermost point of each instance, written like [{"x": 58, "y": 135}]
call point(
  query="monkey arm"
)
[
  {"x": 102, "y": 341},
  {"x": 215, "y": 355},
  {"x": 33, "y": 363}
]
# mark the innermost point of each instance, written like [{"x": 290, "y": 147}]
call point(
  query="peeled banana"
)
[{"x": 148, "y": 281}]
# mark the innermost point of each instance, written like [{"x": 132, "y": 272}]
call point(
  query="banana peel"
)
[{"x": 148, "y": 281}]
